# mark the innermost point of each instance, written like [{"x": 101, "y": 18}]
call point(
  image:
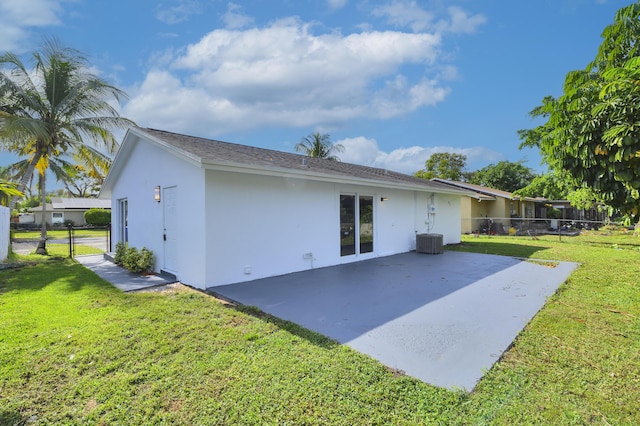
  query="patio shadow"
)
[{"x": 444, "y": 319}]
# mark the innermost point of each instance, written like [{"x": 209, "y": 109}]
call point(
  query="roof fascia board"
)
[
  {"x": 180, "y": 153},
  {"x": 130, "y": 140}
]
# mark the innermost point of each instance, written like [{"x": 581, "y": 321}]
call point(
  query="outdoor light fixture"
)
[
  {"x": 382, "y": 199},
  {"x": 156, "y": 194}
]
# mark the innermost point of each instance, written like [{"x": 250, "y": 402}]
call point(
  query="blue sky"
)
[{"x": 392, "y": 80}]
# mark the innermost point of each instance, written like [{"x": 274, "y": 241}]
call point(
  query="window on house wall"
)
[
  {"x": 123, "y": 219},
  {"x": 528, "y": 211},
  {"x": 356, "y": 224},
  {"x": 57, "y": 217}
]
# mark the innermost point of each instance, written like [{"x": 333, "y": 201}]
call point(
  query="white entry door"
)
[{"x": 170, "y": 235}]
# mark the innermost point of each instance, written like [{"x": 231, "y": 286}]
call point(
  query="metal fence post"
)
[
  {"x": 108, "y": 238},
  {"x": 69, "y": 228}
]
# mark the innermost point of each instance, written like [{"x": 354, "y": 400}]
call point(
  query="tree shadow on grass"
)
[
  {"x": 9, "y": 417},
  {"x": 499, "y": 248},
  {"x": 35, "y": 276}
]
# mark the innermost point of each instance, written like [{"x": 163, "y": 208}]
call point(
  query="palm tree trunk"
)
[
  {"x": 42, "y": 244},
  {"x": 24, "y": 181}
]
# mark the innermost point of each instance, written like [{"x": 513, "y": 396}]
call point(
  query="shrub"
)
[
  {"x": 97, "y": 217},
  {"x": 131, "y": 259},
  {"x": 146, "y": 261},
  {"x": 137, "y": 261},
  {"x": 121, "y": 249}
]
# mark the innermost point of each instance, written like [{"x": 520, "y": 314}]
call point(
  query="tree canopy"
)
[
  {"x": 58, "y": 109},
  {"x": 319, "y": 146},
  {"x": 505, "y": 175},
  {"x": 593, "y": 130},
  {"x": 552, "y": 186},
  {"x": 444, "y": 165}
]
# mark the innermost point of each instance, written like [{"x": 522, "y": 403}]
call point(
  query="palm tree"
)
[
  {"x": 7, "y": 191},
  {"x": 58, "y": 109},
  {"x": 319, "y": 146}
]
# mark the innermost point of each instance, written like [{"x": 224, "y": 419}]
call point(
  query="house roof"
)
[
  {"x": 213, "y": 154},
  {"x": 61, "y": 203},
  {"x": 485, "y": 193}
]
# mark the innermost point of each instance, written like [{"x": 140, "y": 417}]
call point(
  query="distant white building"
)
[
  {"x": 217, "y": 213},
  {"x": 62, "y": 209}
]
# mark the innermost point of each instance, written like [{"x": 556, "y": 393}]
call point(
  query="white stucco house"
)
[{"x": 217, "y": 213}]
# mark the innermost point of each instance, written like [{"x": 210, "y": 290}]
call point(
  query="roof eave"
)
[{"x": 319, "y": 176}]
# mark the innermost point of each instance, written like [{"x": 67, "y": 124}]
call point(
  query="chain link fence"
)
[{"x": 534, "y": 226}]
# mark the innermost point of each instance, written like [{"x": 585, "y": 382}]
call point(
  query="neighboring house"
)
[
  {"x": 570, "y": 213},
  {"x": 65, "y": 209},
  {"x": 217, "y": 213},
  {"x": 493, "y": 207}
]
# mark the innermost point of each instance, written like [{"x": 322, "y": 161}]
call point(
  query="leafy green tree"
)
[
  {"x": 444, "y": 165},
  {"x": 80, "y": 182},
  {"x": 592, "y": 130},
  {"x": 551, "y": 185},
  {"x": 583, "y": 198},
  {"x": 57, "y": 109},
  {"x": 505, "y": 175},
  {"x": 319, "y": 146}
]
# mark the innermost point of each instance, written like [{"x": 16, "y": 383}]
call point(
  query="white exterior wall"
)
[
  {"x": 267, "y": 224},
  {"x": 5, "y": 219},
  {"x": 77, "y": 217},
  {"x": 260, "y": 226},
  {"x": 149, "y": 166},
  {"x": 447, "y": 218}
]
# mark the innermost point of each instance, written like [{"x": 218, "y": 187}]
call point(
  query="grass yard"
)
[
  {"x": 62, "y": 250},
  {"x": 59, "y": 233},
  {"x": 74, "y": 350}
]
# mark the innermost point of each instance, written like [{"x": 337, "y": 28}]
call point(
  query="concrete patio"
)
[{"x": 444, "y": 319}]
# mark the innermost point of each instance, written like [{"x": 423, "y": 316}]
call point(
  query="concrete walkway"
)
[
  {"x": 444, "y": 319},
  {"x": 120, "y": 277}
]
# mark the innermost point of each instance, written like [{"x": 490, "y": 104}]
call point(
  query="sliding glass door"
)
[{"x": 356, "y": 224}]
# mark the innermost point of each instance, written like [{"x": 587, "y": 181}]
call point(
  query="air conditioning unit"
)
[{"x": 429, "y": 243}]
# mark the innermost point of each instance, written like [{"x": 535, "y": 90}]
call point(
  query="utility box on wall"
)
[{"x": 429, "y": 243}]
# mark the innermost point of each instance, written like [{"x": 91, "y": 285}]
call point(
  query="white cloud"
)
[
  {"x": 409, "y": 14},
  {"x": 405, "y": 14},
  {"x": 285, "y": 75},
  {"x": 18, "y": 16},
  {"x": 336, "y": 4},
  {"x": 364, "y": 151},
  {"x": 178, "y": 11},
  {"x": 234, "y": 19},
  {"x": 461, "y": 22}
]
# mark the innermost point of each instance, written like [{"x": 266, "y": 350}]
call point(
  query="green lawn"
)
[
  {"x": 74, "y": 350},
  {"x": 60, "y": 233},
  {"x": 62, "y": 250}
]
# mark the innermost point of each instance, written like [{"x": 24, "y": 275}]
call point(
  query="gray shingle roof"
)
[
  {"x": 484, "y": 190},
  {"x": 210, "y": 151},
  {"x": 61, "y": 203},
  {"x": 80, "y": 203}
]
